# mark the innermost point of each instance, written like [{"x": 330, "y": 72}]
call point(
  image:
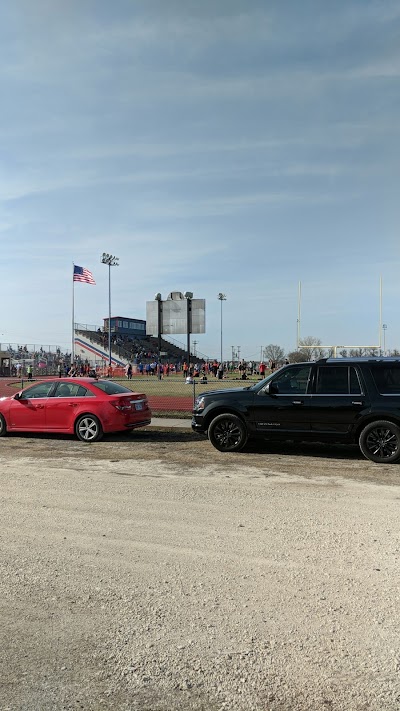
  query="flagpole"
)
[{"x": 73, "y": 319}]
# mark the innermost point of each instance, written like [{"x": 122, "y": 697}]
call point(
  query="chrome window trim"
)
[
  {"x": 293, "y": 396},
  {"x": 389, "y": 394},
  {"x": 338, "y": 395}
]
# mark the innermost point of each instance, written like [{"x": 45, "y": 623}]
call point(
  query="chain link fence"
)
[
  {"x": 174, "y": 395},
  {"x": 169, "y": 397}
]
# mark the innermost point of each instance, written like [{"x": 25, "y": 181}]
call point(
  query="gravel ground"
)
[{"x": 150, "y": 572}]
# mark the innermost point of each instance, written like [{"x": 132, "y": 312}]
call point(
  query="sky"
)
[{"x": 234, "y": 146}]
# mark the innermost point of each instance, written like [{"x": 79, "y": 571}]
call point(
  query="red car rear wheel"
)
[{"x": 88, "y": 428}]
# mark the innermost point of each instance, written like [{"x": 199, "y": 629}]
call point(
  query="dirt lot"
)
[{"x": 151, "y": 572}]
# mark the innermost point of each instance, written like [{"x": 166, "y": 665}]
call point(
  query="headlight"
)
[{"x": 199, "y": 403}]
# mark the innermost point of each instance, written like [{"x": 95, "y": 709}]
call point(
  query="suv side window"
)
[
  {"x": 355, "y": 386},
  {"x": 337, "y": 380},
  {"x": 386, "y": 378},
  {"x": 293, "y": 381}
]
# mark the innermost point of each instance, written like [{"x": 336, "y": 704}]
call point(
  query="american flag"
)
[{"x": 82, "y": 274}]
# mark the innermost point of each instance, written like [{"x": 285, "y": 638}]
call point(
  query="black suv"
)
[{"x": 330, "y": 400}]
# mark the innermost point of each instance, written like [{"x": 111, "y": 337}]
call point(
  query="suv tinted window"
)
[
  {"x": 387, "y": 378},
  {"x": 355, "y": 387},
  {"x": 293, "y": 381},
  {"x": 337, "y": 380}
]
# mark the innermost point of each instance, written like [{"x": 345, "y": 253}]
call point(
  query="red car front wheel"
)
[{"x": 3, "y": 426}]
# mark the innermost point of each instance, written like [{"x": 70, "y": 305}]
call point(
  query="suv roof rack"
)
[{"x": 364, "y": 359}]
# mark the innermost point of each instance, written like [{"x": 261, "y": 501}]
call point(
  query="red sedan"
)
[{"x": 82, "y": 406}]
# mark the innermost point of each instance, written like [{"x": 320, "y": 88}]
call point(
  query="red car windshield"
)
[{"x": 111, "y": 388}]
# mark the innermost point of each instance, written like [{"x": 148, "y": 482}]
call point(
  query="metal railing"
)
[
  {"x": 28, "y": 349},
  {"x": 86, "y": 327}
]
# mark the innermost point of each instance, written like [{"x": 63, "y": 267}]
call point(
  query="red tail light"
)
[{"x": 123, "y": 405}]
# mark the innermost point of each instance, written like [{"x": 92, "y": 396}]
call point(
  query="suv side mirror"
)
[{"x": 272, "y": 389}]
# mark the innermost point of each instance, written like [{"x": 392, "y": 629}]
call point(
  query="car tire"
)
[
  {"x": 380, "y": 442},
  {"x": 88, "y": 428},
  {"x": 3, "y": 426},
  {"x": 227, "y": 433}
]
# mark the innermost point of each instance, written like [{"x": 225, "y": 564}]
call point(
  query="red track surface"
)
[
  {"x": 4, "y": 386},
  {"x": 172, "y": 402},
  {"x": 157, "y": 402}
]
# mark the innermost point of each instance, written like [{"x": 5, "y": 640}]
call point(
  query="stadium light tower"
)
[
  {"x": 158, "y": 298},
  {"x": 111, "y": 261},
  {"x": 188, "y": 296},
  {"x": 221, "y": 298}
]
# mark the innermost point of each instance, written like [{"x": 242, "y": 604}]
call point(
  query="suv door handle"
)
[
  {"x": 297, "y": 402},
  {"x": 357, "y": 402}
]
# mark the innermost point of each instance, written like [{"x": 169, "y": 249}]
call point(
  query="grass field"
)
[
  {"x": 173, "y": 397},
  {"x": 175, "y": 385}
]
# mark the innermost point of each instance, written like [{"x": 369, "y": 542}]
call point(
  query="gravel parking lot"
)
[{"x": 151, "y": 572}]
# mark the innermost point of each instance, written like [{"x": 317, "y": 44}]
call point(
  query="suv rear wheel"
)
[
  {"x": 227, "y": 433},
  {"x": 380, "y": 442}
]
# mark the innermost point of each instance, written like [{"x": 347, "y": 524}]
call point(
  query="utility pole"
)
[{"x": 298, "y": 315}]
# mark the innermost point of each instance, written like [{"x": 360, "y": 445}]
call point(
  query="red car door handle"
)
[
  {"x": 72, "y": 404},
  {"x": 39, "y": 407}
]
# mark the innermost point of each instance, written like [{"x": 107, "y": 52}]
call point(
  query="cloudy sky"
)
[{"x": 235, "y": 146}]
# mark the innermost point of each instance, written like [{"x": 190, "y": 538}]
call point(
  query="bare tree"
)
[
  {"x": 297, "y": 356},
  {"x": 343, "y": 353},
  {"x": 311, "y": 348},
  {"x": 273, "y": 352}
]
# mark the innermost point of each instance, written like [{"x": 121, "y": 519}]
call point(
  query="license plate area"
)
[{"x": 136, "y": 405}]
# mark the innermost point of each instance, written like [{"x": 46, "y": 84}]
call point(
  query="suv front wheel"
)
[
  {"x": 227, "y": 433},
  {"x": 380, "y": 442}
]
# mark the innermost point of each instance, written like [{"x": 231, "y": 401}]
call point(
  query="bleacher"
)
[
  {"x": 44, "y": 359},
  {"x": 138, "y": 349}
]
